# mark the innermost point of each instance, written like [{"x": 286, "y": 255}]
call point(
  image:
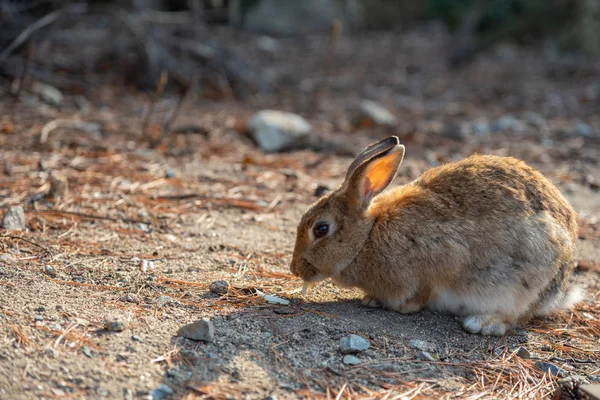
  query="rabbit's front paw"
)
[
  {"x": 370, "y": 301},
  {"x": 488, "y": 325}
]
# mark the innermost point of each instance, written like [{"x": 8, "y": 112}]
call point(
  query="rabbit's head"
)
[{"x": 334, "y": 229}]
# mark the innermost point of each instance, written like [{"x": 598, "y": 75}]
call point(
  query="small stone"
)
[
  {"x": 40, "y": 309},
  {"x": 137, "y": 338},
  {"x": 213, "y": 356},
  {"x": 534, "y": 119},
  {"x": 422, "y": 345},
  {"x": 164, "y": 301},
  {"x": 275, "y": 130},
  {"x": 523, "y": 353},
  {"x": 169, "y": 173},
  {"x": 351, "y": 360},
  {"x": 219, "y": 287},
  {"x": 86, "y": 350},
  {"x": 47, "y": 93},
  {"x": 377, "y": 113},
  {"x": 353, "y": 344},
  {"x": 507, "y": 123},
  {"x": 550, "y": 368},
  {"x": 58, "y": 392},
  {"x": 583, "y": 129},
  {"x": 143, "y": 227},
  {"x": 425, "y": 356},
  {"x": 267, "y": 44},
  {"x": 50, "y": 270},
  {"x": 51, "y": 352},
  {"x": 14, "y": 219},
  {"x": 321, "y": 190},
  {"x": 283, "y": 311},
  {"x": 114, "y": 325},
  {"x": 480, "y": 128},
  {"x": 131, "y": 298},
  {"x": 202, "y": 330},
  {"x": 455, "y": 130},
  {"x": 38, "y": 318},
  {"x": 162, "y": 392}
]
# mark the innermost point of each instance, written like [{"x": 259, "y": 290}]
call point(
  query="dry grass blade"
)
[{"x": 19, "y": 336}]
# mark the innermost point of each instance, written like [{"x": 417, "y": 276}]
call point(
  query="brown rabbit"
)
[{"x": 486, "y": 238}]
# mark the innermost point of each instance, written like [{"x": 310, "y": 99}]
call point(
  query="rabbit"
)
[{"x": 487, "y": 239}]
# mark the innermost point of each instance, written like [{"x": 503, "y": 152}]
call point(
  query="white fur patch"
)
[{"x": 473, "y": 303}]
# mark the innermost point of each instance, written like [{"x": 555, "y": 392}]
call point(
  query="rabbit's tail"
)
[{"x": 558, "y": 300}]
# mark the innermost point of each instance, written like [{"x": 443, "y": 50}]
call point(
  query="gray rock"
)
[
  {"x": 534, "y": 119},
  {"x": 162, "y": 392},
  {"x": 275, "y": 130},
  {"x": 425, "y": 356},
  {"x": 131, "y": 298},
  {"x": 422, "y": 345},
  {"x": 14, "y": 219},
  {"x": 114, "y": 325},
  {"x": 524, "y": 353},
  {"x": 50, "y": 270},
  {"x": 163, "y": 301},
  {"x": 202, "y": 330},
  {"x": 550, "y": 368},
  {"x": 456, "y": 130},
  {"x": 351, "y": 360},
  {"x": 47, "y": 93},
  {"x": 480, "y": 128},
  {"x": 353, "y": 344},
  {"x": 179, "y": 374},
  {"x": 507, "y": 123},
  {"x": 137, "y": 338},
  {"x": 86, "y": 350},
  {"x": 289, "y": 17},
  {"x": 583, "y": 129},
  {"x": 219, "y": 287},
  {"x": 52, "y": 352},
  {"x": 169, "y": 173},
  {"x": 38, "y": 318},
  {"x": 377, "y": 113}
]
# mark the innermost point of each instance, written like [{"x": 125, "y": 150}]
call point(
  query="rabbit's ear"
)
[
  {"x": 372, "y": 177},
  {"x": 371, "y": 151}
]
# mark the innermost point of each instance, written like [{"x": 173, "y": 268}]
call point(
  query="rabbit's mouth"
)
[{"x": 307, "y": 272}]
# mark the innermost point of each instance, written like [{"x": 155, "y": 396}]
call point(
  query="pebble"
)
[
  {"x": 169, "y": 173},
  {"x": 455, "y": 130},
  {"x": 422, "y": 345},
  {"x": 219, "y": 287},
  {"x": 143, "y": 227},
  {"x": 550, "y": 368},
  {"x": 275, "y": 130},
  {"x": 163, "y": 301},
  {"x": 523, "y": 353},
  {"x": 480, "y": 128},
  {"x": 283, "y": 311},
  {"x": 50, "y": 270},
  {"x": 507, "y": 123},
  {"x": 137, "y": 338},
  {"x": 377, "y": 113},
  {"x": 14, "y": 219},
  {"x": 131, "y": 298},
  {"x": 353, "y": 344},
  {"x": 351, "y": 360},
  {"x": 425, "y": 356},
  {"x": 321, "y": 191},
  {"x": 202, "y": 330},
  {"x": 48, "y": 93},
  {"x": 161, "y": 392},
  {"x": 583, "y": 129},
  {"x": 86, "y": 350},
  {"x": 51, "y": 352},
  {"x": 38, "y": 318},
  {"x": 114, "y": 325}
]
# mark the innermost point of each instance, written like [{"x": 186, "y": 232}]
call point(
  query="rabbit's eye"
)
[{"x": 321, "y": 229}]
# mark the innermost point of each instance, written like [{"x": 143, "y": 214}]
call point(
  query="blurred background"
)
[{"x": 455, "y": 69}]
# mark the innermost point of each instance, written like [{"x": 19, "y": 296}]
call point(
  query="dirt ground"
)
[{"x": 211, "y": 206}]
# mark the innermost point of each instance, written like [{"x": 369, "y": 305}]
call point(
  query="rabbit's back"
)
[{"x": 479, "y": 188}]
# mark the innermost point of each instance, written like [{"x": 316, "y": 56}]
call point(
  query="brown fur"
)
[{"x": 487, "y": 238}]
